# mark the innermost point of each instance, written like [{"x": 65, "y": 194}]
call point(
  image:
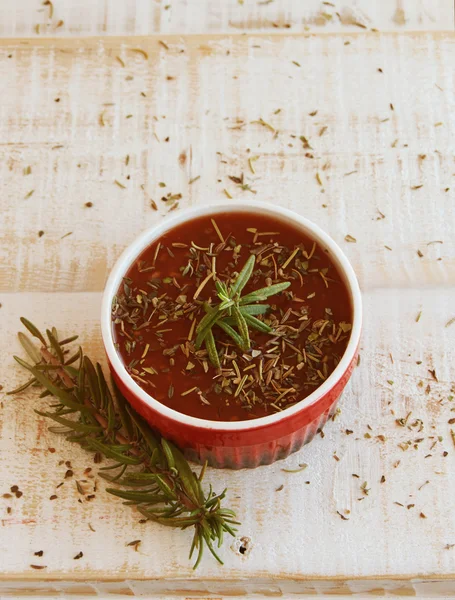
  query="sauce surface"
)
[{"x": 155, "y": 316}]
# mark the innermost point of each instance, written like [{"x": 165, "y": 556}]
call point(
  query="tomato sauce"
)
[{"x": 158, "y": 307}]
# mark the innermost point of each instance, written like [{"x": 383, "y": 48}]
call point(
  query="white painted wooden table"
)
[{"x": 202, "y": 93}]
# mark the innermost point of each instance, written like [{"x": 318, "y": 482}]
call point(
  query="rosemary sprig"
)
[
  {"x": 164, "y": 487},
  {"x": 236, "y": 311}
]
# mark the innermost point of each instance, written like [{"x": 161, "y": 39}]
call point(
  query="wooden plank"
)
[
  {"x": 388, "y": 174},
  {"x": 297, "y": 537},
  {"x": 145, "y": 17}
]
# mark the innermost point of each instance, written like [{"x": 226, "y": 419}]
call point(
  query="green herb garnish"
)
[
  {"x": 236, "y": 311},
  {"x": 162, "y": 484}
]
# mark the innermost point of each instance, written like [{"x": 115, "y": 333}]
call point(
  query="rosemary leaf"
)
[
  {"x": 29, "y": 347},
  {"x": 206, "y": 325},
  {"x": 21, "y": 388},
  {"x": 92, "y": 381},
  {"x": 33, "y": 330},
  {"x": 139, "y": 497},
  {"x": 145, "y": 431},
  {"x": 168, "y": 454},
  {"x": 74, "y": 425},
  {"x": 65, "y": 397},
  {"x": 211, "y": 349},
  {"x": 186, "y": 475},
  {"x": 226, "y": 327},
  {"x": 125, "y": 417},
  {"x": 242, "y": 327},
  {"x": 264, "y": 293},
  {"x": 110, "y": 452},
  {"x": 256, "y": 323},
  {"x": 54, "y": 343},
  {"x": 255, "y": 309},
  {"x": 243, "y": 277}
]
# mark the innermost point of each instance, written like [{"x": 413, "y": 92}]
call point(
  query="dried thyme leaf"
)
[
  {"x": 135, "y": 544},
  {"x": 140, "y": 51},
  {"x": 342, "y": 516},
  {"x": 250, "y": 163},
  {"x": 301, "y": 468},
  {"x": 51, "y": 7},
  {"x": 349, "y": 238}
]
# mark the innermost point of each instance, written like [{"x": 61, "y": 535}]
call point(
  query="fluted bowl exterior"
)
[{"x": 240, "y": 444}]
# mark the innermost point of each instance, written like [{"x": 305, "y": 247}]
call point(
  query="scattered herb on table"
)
[
  {"x": 240, "y": 310},
  {"x": 141, "y": 52},
  {"x": 265, "y": 124}
]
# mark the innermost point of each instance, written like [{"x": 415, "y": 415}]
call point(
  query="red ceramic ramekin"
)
[{"x": 238, "y": 444}]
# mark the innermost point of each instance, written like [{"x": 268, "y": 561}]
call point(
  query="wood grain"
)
[
  {"x": 145, "y": 17},
  {"x": 300, "y": 544},
  {"x": 207, "y": 111}
]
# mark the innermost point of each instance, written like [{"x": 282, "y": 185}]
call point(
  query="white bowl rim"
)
[{"x": 154, "y": 232}]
